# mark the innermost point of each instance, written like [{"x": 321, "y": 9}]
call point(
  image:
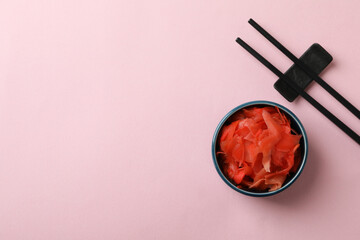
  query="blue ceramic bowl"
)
[{"x": 295, "y": 124}]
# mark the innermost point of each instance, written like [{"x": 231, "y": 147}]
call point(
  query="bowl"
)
[{"x": 294, "y": 123}]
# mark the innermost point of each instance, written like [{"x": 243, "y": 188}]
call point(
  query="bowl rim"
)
[{"x": 226, "y": 117}]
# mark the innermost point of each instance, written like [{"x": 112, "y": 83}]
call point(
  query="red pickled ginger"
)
[{"x": 258, "y": 149}]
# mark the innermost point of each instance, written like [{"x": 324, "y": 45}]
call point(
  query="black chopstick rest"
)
[{"x": 316, "y": 58}]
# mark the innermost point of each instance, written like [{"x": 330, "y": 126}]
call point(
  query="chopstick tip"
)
[{"x": 239, "y": 41}]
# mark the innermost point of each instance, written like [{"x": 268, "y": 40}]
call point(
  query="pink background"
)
[{"x": 107, "y": 110}]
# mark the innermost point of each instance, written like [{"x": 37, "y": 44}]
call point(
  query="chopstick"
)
[
  {"x": 301, "y": 92},
  {"x": 306, "y": 69}
]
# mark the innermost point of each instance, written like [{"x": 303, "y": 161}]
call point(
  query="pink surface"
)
[{"x": 107, "y": 110}]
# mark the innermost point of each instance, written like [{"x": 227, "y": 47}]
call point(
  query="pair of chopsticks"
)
[{"x": 299, "y": 90}]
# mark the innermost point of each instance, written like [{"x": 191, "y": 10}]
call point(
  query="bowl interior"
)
[{"x": 295, "y": 125}]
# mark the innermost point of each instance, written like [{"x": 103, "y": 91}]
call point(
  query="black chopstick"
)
[
  {"x": 301, "y": 92},
  {"x": 306, "y": 69}
]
